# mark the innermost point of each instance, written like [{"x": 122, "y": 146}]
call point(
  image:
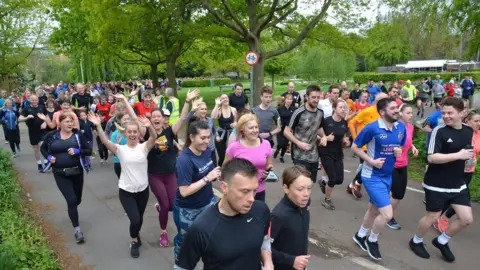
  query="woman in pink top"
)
[
  {"x": 251, "y": 147},
  {"x": 473, "y": 120},
  {"x": 399, "y": 176}
]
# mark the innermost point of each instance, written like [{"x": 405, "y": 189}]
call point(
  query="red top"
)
[
  {"x": 142, "y": 109},
  {"x": 450, "y": 89},
  {"x": 360, "y": 107},
  {"x": 105, "y": 109}
]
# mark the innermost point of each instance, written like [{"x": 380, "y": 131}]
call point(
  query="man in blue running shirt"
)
[{"x": 384, "y": 139}]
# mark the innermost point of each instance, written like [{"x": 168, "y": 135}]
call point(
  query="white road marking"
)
[
  {"x": 347, "y": 171},
  {"x": 416, "y": 190}
]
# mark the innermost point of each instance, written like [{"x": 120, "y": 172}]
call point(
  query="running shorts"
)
[
  {"x": 378, "y": 189},
  {"x": 311, "y": 167},
  {"x": 437, "y": 201},
  {"x": 399, "y": 182},
  {"x": 35, "y": 136},
  {"x": 334, "y": 170}
]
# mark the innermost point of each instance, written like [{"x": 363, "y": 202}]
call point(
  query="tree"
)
[
  {"x": 245, "y": 21},
  {"x": 146, "y": 32},
  {"x": 275, "y": 66},
  {"x": 22, "y": 25},
  {"x": 466, "y": 16}
]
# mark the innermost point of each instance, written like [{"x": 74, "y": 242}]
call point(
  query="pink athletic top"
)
[
  {"x": 257, "y": 155},
  {"x": 476, "y": 149},
  {"x": 402, "y": 161}
]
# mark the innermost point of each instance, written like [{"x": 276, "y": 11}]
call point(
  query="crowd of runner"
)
[{"x": 139, "y": 126}]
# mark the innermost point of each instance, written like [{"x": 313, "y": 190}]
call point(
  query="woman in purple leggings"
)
[{"x": 161, "y": 164}]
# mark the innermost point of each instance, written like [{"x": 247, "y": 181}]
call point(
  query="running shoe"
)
[
  {"x": 357, "y": 191},
  {"x": 360, "y": 241},
  {"x": 419, "y": 249},
  {"x": 101, "y": 163},
  {"x": 322, "y": 186},
  {"x": 157, "y": 206},
  {"x": 444, "y": 249},
  {"x": 134, "y": 251},
  {"x": 14, "y": 155},
  {"x": 282, "y": 160},
  {"x": 392, "y": 224},
  {"x": 40, "y": 168},
  {"x": 373, "y": 250},
  {"x": 79, "y": 237},
  {"x": 441, "y": 224},
  {"x": 328, "y": 204},
  {"x": 6, "y": 142},
  {"x": 164, "y": 240},
  {"x": 350, "y": 189}
]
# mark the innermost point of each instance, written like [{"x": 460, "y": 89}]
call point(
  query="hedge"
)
[
  {"x": 206, "y": 82},
  {"x": 363, "y": 77},
  {"x": 419, "y": 141},
  {"x": 22, "y": 244}
]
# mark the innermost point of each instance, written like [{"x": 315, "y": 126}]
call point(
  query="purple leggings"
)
[{"x": 164, "y": 187}]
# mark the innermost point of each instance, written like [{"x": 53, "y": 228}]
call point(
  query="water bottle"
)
[{"x": 469, "y": 164}]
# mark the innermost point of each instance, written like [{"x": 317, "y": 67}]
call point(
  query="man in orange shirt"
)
[{"x": 363, "y": 118}]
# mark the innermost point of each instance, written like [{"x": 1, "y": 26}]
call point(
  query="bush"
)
[
  {"x": 21, "y": 235},
  {"x": 419, "y": 140},
  {"x": 206, "y": 82},
  {"x": 363, "y": 77}
]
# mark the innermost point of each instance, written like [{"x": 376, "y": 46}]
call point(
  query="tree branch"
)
[
  {"x": 222, "y": 19},
  {"x": 269, "y": 17},
  {"x": 303, "y": 34},
  {"x": 281, "y": 18},
  {"x": 234, "y": 18}
]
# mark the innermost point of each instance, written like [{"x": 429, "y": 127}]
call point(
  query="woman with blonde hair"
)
[
  {"x": 251, "y": 147},
  {"x": 225, "y": 114}
]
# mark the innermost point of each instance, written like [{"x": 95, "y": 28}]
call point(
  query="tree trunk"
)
[
  {"x": 171, "y": 75},
  {"x": 154, "y": 75},
  {"x": 258, "y": 79}
]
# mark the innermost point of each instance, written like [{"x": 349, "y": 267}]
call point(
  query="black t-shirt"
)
[
  {"x": 238, "y": 102},
  {"x": 59, "y": 150},
  {"x": 226, "y": 243},
  {"x": 35, "y": 122},
  {"x": 84, "y": 100},
  {"x": 162, "y": 158},
  {"x": 334, "y": 149},
  {"x": 296, "y": 97},
  {"x": 447, "y": 140}
]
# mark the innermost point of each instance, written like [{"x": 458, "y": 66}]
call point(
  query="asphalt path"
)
[{"x": 105, "y": 225}]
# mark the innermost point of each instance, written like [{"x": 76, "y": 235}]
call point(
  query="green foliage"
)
[
  {"x": 20, "y": 234},
  {"x": 417, "y": 165},
  {"x": 363, "y": 77},
  {"x": 206, "y": 83}
]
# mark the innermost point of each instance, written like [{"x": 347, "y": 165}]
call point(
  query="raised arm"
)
[
  {"x": 186, "y": 106},
  {"x": 217, "y": 109},
  {"x": 96, "y": 121},
  {"x": 145, "y": 123},
  {"x": 131, "y": 112}
]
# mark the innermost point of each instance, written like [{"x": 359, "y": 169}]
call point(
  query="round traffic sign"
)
[{"x": 251, "y": 58}]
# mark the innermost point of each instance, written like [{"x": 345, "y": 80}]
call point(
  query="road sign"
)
[{"x": 251, "y": 58}]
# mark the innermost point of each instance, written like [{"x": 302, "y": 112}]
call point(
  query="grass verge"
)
[{"x": 27, "y": 240}]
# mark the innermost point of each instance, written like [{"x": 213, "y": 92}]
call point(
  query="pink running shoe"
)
[{"x": 164, "y": 240}]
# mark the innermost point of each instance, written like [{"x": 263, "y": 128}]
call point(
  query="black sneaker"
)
[
  {"x": 373, "y": 251},
  {"x": 275, "y": 155},
  {"x": 40, "y": 168},
  {"x": 328, "y": 204},
  {"x": 134, "y": 250},
  {"x": 322, "y": 186},
  {"x": 282, "y": 160},
  {"x": 79, "y": 237},
  {"x": 392, "y": 224},
  {"x": 360, "y": 241},
  {"x": 419, "y": 249},
  {"x": 444, "y": 249}
]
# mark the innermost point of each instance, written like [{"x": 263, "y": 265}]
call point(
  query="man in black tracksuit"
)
[{"x": 289, "y": 233}]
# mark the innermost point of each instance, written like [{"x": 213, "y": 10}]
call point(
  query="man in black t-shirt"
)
[
  {"x": 36, "y": 126},
  {"x": 238, "y": 99},
  {"x": 444, "y": 183},
  {"x": 297, "y": 99},
  {"x": 81, "y": 101},
  {"x": 234, "y": 233}
]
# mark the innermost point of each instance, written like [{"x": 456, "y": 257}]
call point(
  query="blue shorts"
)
[{"x": 378, "y": 188}]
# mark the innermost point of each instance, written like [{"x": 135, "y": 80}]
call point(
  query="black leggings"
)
[
  {"x": 13, "y": 138},
  {"x": 449, "y": 212},
  {"x": 221, "y": 147},
  {"x": 260, "y": 196},
  {"x": 118, "y": 169},
  {"x": 71, "y": 188},
  {"x": 134, "y": 205},
  {"x": 102, "y": 149},
  {"x": 282, "y": 143}
]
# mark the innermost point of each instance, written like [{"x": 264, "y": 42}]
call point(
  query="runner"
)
[
  {"x": 195, "y": 171},
  {"x": 66, "y": 149},
  {"x": 66, "y": 107},
  {"x": 50, "y": 110},
  {"x": 384, "y": 137},
  {"x": 326, "y": 104},
  {"x": 356, "y": 125},
  {"x": 252, "y": 148},
  {"x": 291, "y": 221},
  {"x": 133, "y": 183},
  {"x": 36, "y": 126},
  {"x": 81, "y": 100},
  {"x": 172, "y": 105},
  {"x": 161, "y": 164},
  {"x": 472, "y": 120},
  {"x": 237, "y": 217},
  {"x": 267, "y": 115},
  {"x": 119, "y": 137},
  {"x": 102, "y": 149},
  {"x": 331, "y": 154},
  {"x": 238, "y": 99},
  {"x": 226, "y": 115},
  {"x": 104, "y": 107},
  {"x": 399, "y": 176},
  {"x": 410, "y": 93},
  {"x": 285, "y": 110},
  {"x": 362, "y": 103},
  {"x": 233, "y": 135},
  {"x": 296, "y": 98},
  {"x": 423, "y": 94},
  {"x": 145, "y": 107},
  {"x": 445, "y": 181},
  {"x": 199, "y": 109},
  {"x": 9, "y": 115}
]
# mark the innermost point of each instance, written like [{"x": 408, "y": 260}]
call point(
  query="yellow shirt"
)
[{"x": 363, "y": 118}]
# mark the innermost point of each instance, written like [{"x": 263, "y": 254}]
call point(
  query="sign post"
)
[{"x": 251, "y": 58}]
